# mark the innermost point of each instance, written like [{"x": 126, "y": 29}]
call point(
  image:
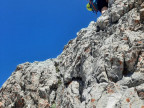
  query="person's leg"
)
[{"x": 104, "y": 9}]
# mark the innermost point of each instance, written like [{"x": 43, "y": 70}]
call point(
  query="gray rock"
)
[{"x": 103, "y": 67}]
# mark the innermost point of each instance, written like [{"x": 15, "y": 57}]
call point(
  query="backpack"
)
[{"x": 94, "y": 5}]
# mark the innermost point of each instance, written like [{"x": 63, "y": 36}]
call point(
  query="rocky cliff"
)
[{"x": 103, "y": 67}]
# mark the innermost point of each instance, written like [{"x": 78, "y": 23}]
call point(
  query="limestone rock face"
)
[{"x": 103, "y": 67}]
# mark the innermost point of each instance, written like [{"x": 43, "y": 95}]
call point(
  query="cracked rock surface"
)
[{"x": 103, "y": 67}]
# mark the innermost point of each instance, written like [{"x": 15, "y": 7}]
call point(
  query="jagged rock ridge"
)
[{"x": 103, "y": 67}]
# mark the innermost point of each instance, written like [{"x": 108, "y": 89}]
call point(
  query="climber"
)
[{"x": 97, "y": 5}]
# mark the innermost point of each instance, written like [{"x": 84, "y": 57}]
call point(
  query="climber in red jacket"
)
[{"x": 97, "y": 5}]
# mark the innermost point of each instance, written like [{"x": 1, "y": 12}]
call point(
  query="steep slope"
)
[{"x": 103, "y": 67}]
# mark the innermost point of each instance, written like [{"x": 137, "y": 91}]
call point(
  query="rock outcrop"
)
[{"x": 103, "y": 67}]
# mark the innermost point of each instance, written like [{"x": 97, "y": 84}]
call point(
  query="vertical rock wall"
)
[{"x": 103, "y": 67}]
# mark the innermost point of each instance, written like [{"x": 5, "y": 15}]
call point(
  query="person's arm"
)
[{"x": 104, "y": 9}]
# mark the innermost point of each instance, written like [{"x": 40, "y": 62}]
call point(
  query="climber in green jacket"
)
[{"x": 97, "y": 5}]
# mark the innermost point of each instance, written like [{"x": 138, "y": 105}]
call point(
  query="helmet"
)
[{"x": 88, "y": 7}]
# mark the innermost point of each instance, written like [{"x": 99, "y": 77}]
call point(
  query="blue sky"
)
[{"x": 36, "y": 30}]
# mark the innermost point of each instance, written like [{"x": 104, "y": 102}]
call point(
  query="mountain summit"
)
[{"x": 103, "y": 67}]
